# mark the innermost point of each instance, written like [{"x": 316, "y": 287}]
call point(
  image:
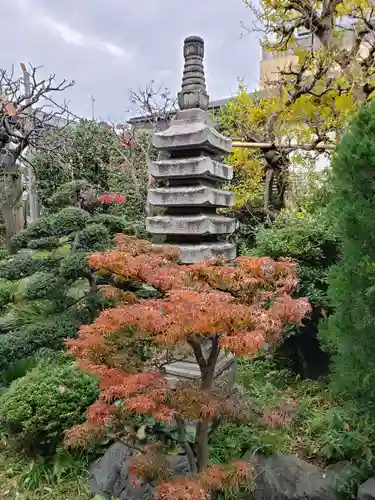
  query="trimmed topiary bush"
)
[
  {"x": 47, "y": 290},
  {"x": 38, "y": 407},
  {"x": 24, "y": 342}
]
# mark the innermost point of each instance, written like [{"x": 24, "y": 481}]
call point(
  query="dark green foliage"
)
[
  {"x": 53, "y": 289},
  {"x": 5, "y": 291},
  {"x": 311, "y": 240},
  {"x": 67, "y": 194},
  {"x": 49, "y": 333},
  {"x": 114, "y": 223},
  {"x": 350, "y": 332},
  {"x": 41, "y": 228},
  {"x": 38, "y": 407},
  {"x": 20, "y": 367},
  {"x": 46, "y": 243},
  {"x": 308, "y": 238},
  {"x": 44, "y": 285},
  {"x": 21, "y": 266},
  {"x": 68, "y": 220},
  {"x": 95, "y": 237},
  {"x": 322, "y": 430},
  {"x": 75, "y": 266},
  {"x": 121, "y": 224}
]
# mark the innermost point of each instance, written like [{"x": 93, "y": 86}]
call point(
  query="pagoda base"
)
[{"x": 191, "y": 254}]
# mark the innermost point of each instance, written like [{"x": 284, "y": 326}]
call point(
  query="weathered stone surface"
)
[
  {"x": 202, "y": 167},
  {"x": 192, "y": 130},
  {"x": 342, "y": 475},
  {"x": 193, "y": 92},
  {"x": 109, "y": 476},
  {"x": 225, "y": 370},
  {"x": 191, "y": 254},
  {"x": 366, "y": 491},
  {"x": 195, "y": 196},
  {"x": 190, "y": 225},
  {"x": 105, "y": 473},
  {"x": 286, "y": 477}
]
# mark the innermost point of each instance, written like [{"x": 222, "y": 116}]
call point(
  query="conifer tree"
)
[
  {"x": 350, "y": 331},
  {"x": 200, "y": 311}
]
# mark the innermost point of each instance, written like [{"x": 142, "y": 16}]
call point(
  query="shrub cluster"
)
[{"x": 38, "y": 407}]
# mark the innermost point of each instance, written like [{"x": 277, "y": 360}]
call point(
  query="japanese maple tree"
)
[{"x": 200, "y": 310}]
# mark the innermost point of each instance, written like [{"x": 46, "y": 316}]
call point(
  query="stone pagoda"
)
[
  {"x": 188, "y": 188},
  {"x": 192, "y": 174}
]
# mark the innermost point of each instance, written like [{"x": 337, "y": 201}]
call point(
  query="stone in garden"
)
[
  {"x": 366, "y": 491},
  {"x": 109, "y": 475},
  {"x": 287, "y": 477}
]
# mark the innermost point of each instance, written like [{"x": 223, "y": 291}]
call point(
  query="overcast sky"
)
[{"x": 109, "y": 46}]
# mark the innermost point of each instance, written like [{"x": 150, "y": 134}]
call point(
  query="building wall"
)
[{"x": 272, "y": 62}]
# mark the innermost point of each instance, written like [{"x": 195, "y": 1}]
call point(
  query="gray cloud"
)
[{"x": 109, "y": 46}]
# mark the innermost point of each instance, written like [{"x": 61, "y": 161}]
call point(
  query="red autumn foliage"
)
[{"x": 202, "y": 310}]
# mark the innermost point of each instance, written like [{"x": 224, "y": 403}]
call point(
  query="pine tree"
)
[
  {"x": 237, "y": 307},
  {"x": 47, "y": 290},
  {"x": 350, "y": 331}
]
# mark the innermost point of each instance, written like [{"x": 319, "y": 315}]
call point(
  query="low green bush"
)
[
  {"x": 321, "y": 430},
  {"x": 38, "y": 407},
  {"x": 311, "y": 240}
]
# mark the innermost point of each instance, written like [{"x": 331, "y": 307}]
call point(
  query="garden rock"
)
[
  {"x": 367, "y": 490},
  {"x": 109, "y": 475},
  {"x": 287, "y": 477}
]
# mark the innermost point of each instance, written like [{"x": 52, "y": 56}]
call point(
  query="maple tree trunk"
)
[{"x": 207, "y": 378}]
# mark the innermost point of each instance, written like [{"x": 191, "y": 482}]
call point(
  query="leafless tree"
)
[
  {"x": 27, "y": 111},
  {"x": 154, "y": 103},
  {"x": 157, "y": 108}
]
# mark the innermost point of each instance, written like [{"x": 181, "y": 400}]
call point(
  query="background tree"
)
[
  {"x": 26, "y": 111},
  {"x": 315, "y": 92},
  {"x": 349, "y": 332},
  {"x": 81, "y": 151},
  {"x": 156, "y": 107},
  {"x": 129, "y": 345}
]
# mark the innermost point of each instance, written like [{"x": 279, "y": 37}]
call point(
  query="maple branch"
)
[
  {"x": 198, "y": 353},
  {"x": 181, "y": 429}
]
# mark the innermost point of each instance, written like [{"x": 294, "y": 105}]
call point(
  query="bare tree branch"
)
[{"x": 24, "y": 120}]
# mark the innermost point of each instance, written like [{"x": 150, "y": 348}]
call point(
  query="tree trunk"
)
[
  {"x": 203, "y": 427},
  {"x": 9, "y": 219},
  {"x": 11, "y": 190}
]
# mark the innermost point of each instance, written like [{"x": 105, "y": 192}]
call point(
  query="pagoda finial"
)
[{"x": 193, "y": 92}]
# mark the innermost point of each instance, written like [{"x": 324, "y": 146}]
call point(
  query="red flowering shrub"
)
[
  {"x": 235, "y": 307},
  {"x": 108, "y": 198}
]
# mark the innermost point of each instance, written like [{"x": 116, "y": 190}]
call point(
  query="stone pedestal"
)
[
  {"x": 225, "y": 373},
  {"x": 188, "y": 188}
]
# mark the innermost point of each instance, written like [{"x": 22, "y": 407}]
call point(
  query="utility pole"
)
[
  {"x": 93, "y": 100},
  {"x": 31, "y": 202}
]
